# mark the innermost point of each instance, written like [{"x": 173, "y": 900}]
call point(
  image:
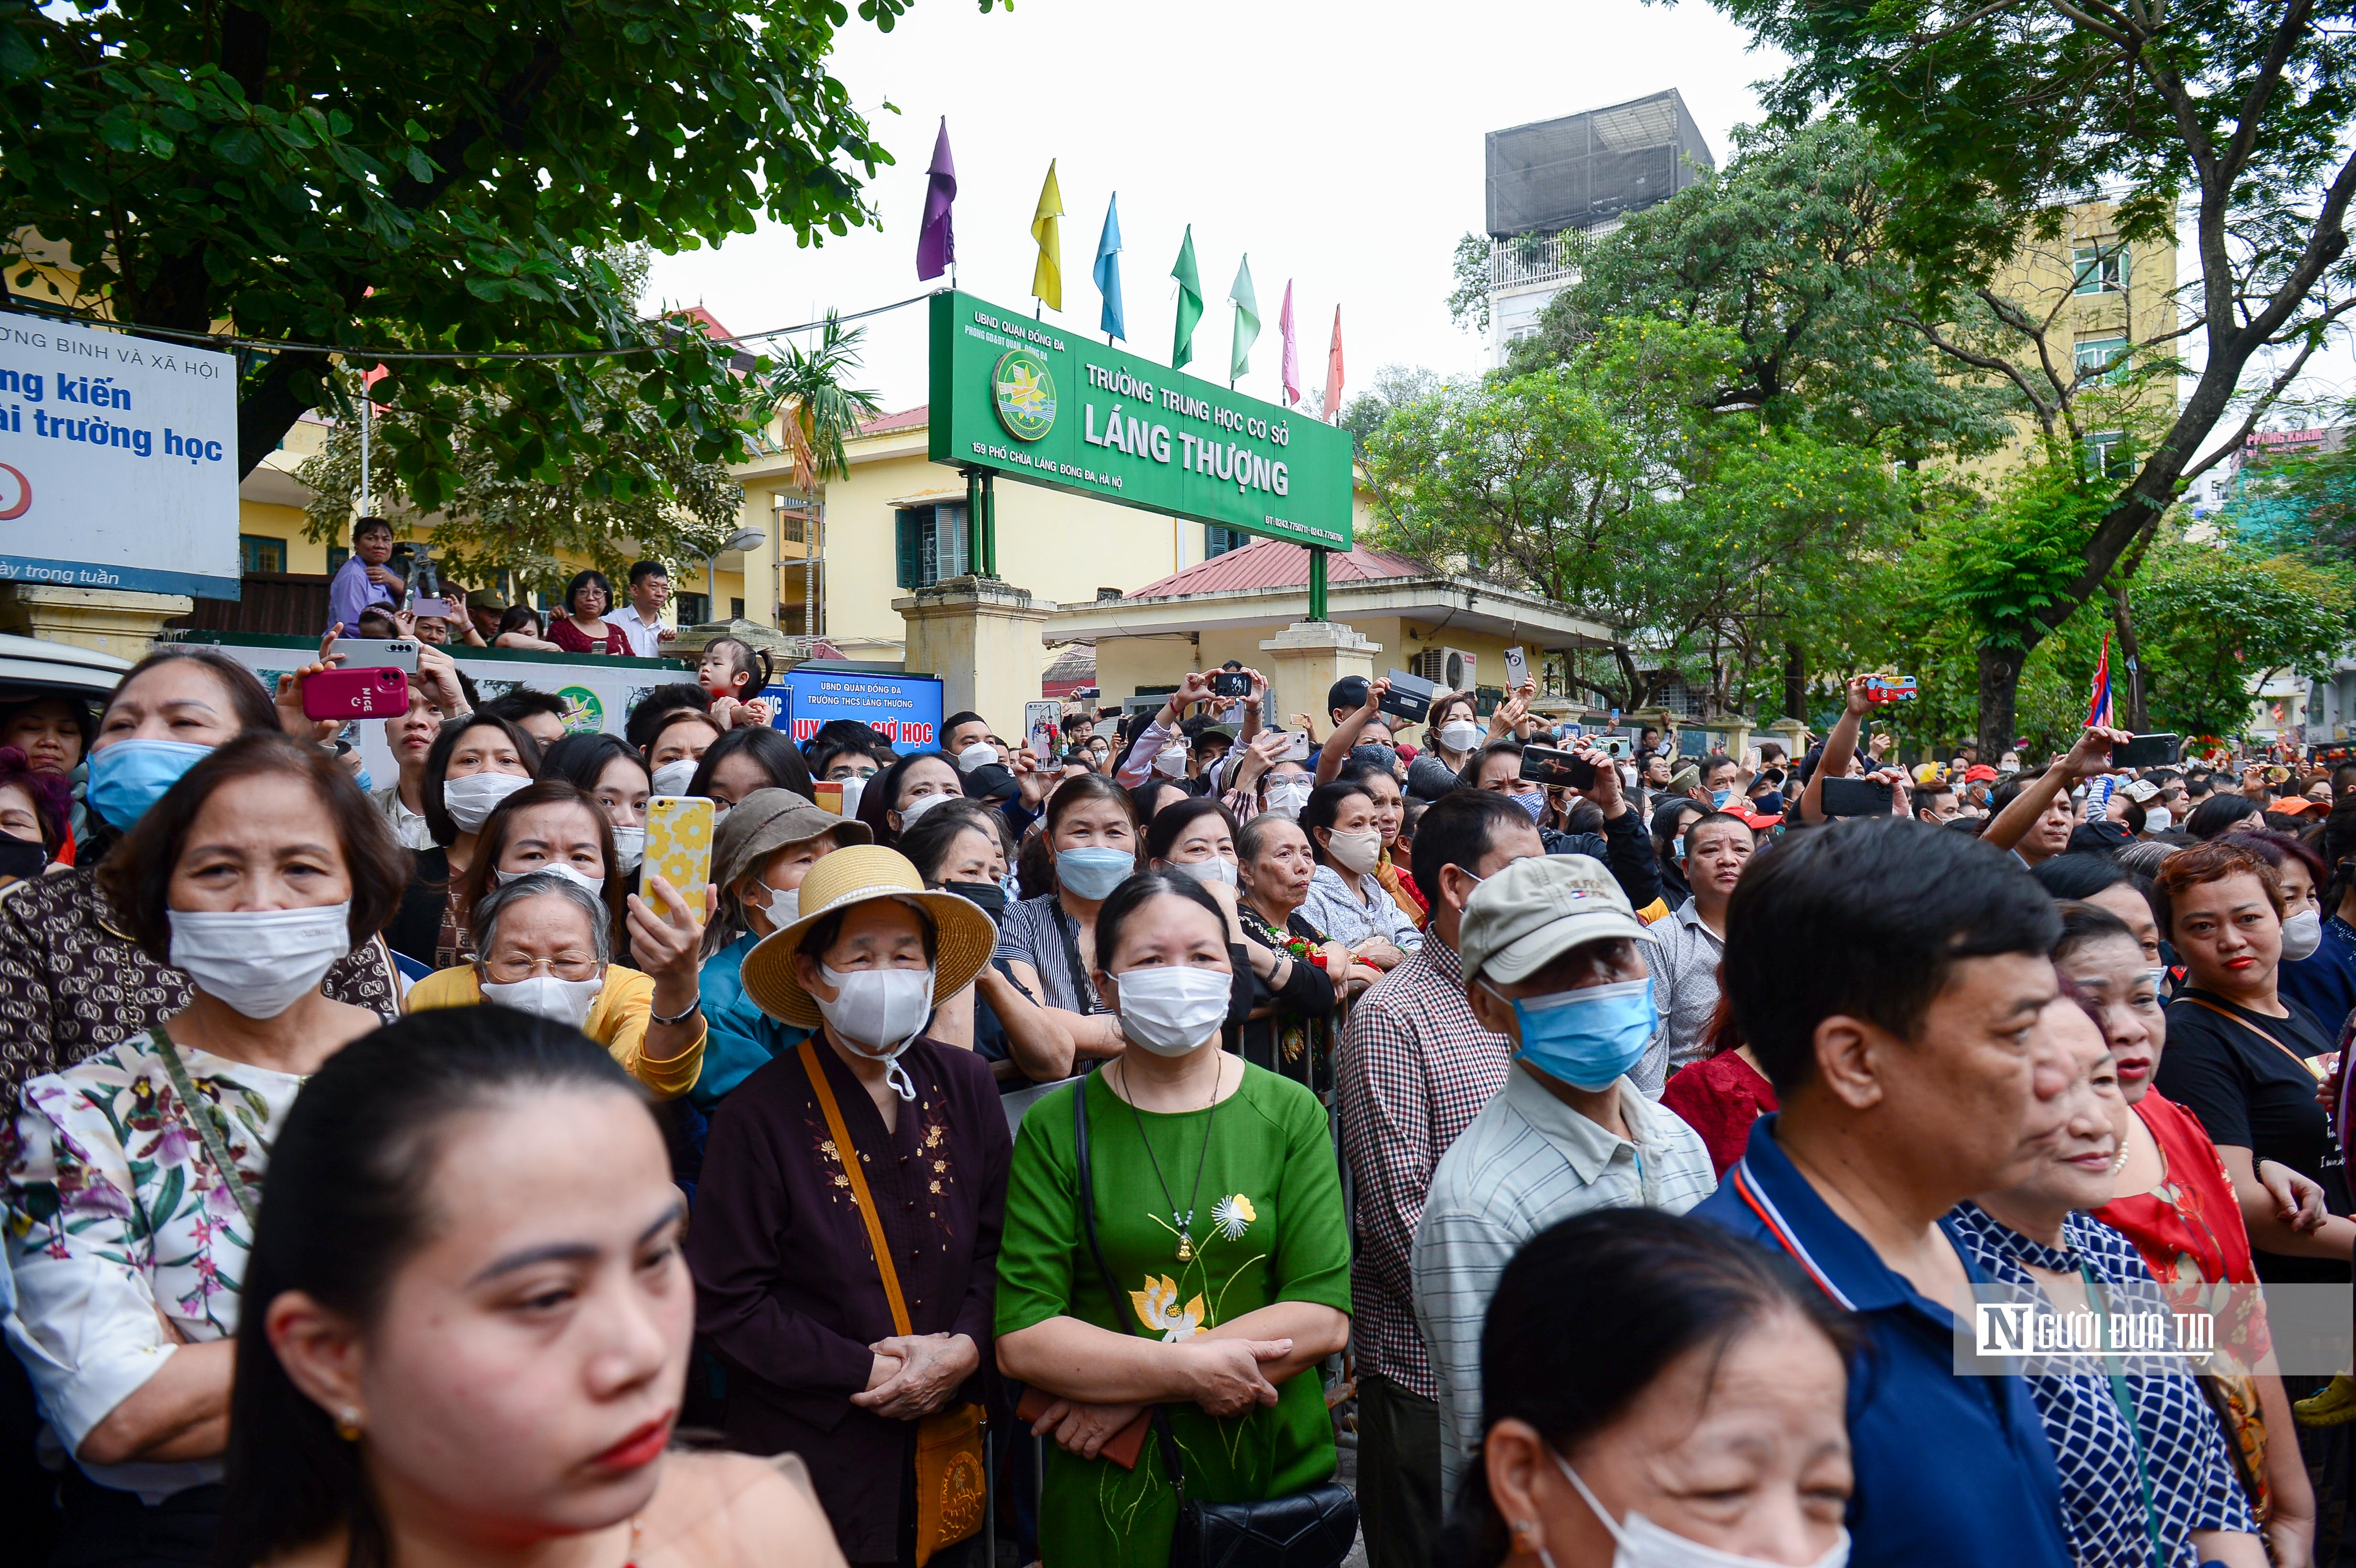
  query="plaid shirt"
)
[{"x": 1417, "y": 1067}]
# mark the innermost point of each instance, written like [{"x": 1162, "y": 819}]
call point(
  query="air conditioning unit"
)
[{"x": 1450, "y": 670}]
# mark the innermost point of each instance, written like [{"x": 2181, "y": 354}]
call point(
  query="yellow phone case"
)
[{"x": 678, "y": 848}]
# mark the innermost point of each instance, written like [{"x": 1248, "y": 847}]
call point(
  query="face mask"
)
[
  {"x": 1533, "y": 802},
  {"x": 1718, "y": 797},
  {"x": 1387, "y": 755},
  {"x": 1286, "y": 796},
  {"x": 1768, "y": 804},
  {"x": 362, "y": 779},
  {"x": 784, "y": 905},
  {"x": 129, "y": 777},
  {"x": 21, "y": 858},
  {"x": 1170, "y": 1009},
  {"x": 1093, "y": 873},
  {"x": 629, "y": 847},
  {"x": 1170, "y": 762},
  {"x": 1587, "y": 1038},
  {"x": 2302, "y": 935},
  {"x": 1643, "y": 1544},
  {"x": 544, "y": 995},
  {"x": 259, "y": 963},
  {"x": 471, "y": 799},
  {"x": 572, "y": 874},
  {"x": 1355, "y": 852},
  {"x": 1218, "y": 868},
  {"x": 879, "y": 1013},
  {"x": 1460, "y": 734},
  {"x": 981, "y": 754},
  {"x": 921, "y": 804},
  {"x": 988, "y": 897},
  {"x": 2158, "y": 820},
  {"x": 672, "y": 778}
]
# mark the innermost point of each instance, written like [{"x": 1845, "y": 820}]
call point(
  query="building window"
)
[
  {"x": 336, "y": 555},
  {"x": 2095, "y": 352},
  {"x": 2099, "y": 268},
  {"x": 788, "y": 511},
  {"x": 735, "y": 608},
  {"x": 257, "y": 552},
  {"x": 931, "y": 544},
  {"x": 2106, "y": 454},
  {"x": 694, "y": 609},
  {"x": 1218, "y": 542}
]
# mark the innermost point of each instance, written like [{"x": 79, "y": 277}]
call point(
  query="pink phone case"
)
[{"x": 340, "y": 694}]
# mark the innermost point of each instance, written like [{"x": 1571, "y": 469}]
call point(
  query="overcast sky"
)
[{"x": 1339, "y": 144}]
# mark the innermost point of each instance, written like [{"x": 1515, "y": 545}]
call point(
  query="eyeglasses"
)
[{"x": 509, "y": 968}]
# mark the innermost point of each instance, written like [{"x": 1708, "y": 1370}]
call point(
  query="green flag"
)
[
  {"x": 1190, "y": 302},
  {"x": 1247, "y": 322}
]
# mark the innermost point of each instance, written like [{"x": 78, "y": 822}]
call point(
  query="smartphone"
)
[
  {"x": 1890, "y": 688},
  {"x": 1296, "y": 749},
  {"x": 1857, "y": 797},
  {"x": 1409, "y": 698},
  {"x": 375, "y": 653},
  {"x": 1042, "y": 727},
  {"x": 437, "y": 608},
  {"x": 1518, "y": 669},
  {"x": 342, "y": 694},
  {"x": 2148, "y": 750},
  {"x": 1230, "y": 683},
  {"x": 1552, "y": 765},
  {"x": 678, "y": 849},
  {"x": 1618, "y": 746}
]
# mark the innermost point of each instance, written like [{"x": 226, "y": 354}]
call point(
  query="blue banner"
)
[{"x": 905, "y": 709}]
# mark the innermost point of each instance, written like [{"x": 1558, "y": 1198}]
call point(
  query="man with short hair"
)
[
  {"x": 364, "y": 579},
  {"x": 1416, "y": 1066},
  {"x": 1686, "y": 782},
  {"x": 848, "y": 755},
  {"x": 1556, "y": 961},
  {"x": 1888, "y": 976},
  {"x": 641, "y": 618},
  {"x": 1718, "y": 774},
  {"x": 959, "y": 731},
  {"x": 539, "y": 714},
  {"x": 1937, "y": 802},
  {"x": 1079, "y": 729},
  {"x": 2035, "y": 819}
]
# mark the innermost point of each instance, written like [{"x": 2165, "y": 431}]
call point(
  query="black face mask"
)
[
  {"x": 987, "y": 896},
  {"x": 21, "y": 859}
]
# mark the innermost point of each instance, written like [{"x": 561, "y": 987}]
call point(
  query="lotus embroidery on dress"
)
[
  {"x": 1157, "y": 1308},
  {"x": 1234, "y": 1215}
]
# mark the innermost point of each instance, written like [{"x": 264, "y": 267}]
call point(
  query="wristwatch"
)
[{"x": 681, "y": 1015}]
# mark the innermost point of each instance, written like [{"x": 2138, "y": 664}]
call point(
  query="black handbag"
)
[{"x": 1311, "y": 1529}]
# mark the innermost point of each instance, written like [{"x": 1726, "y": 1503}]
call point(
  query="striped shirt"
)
[{"x": 1527, "y": 1161}]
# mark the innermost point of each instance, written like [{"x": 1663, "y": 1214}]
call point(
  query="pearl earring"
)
[{"x": 348, "y": 1424}]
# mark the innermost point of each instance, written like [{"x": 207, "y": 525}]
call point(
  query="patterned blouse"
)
[
  {"x": 1349, "y": 920},
  {"x": 116, "y": 1213},
  {"x": 2177, "y": 1437}
]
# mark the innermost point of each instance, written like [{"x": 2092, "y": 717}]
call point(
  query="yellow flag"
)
[{"x": 1048, "y": 277}]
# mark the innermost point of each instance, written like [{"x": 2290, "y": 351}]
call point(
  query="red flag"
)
[
  {"x": 2098, "y": 703},
  {"x": 1334, "y": 371}
]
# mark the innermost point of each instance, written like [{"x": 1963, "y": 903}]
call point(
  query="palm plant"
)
[{"x": 821, "y": 413}]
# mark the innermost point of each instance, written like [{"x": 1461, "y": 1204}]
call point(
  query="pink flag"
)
[
  {"x": 1334, "y": 371},
  {"x": 1292, "y": 376}
]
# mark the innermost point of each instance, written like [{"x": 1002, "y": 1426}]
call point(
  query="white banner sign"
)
[{"x": 118, "y": 461}]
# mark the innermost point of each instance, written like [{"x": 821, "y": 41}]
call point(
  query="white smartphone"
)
[
  {"x": 1296, "y": 749},
  {"x": 1517, "y": 670},
  {"x": 378, "y": 653}
]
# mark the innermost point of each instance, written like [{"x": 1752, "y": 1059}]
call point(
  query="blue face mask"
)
[
  {"x": 1718, "y": 797},
  {"x": 1534, "y": 802},
  {"x": 365, "y": 783},
  {"x": 1092, "y": 873},
  {"x": 129, "y": 777},
  {"x": 1587, "y": 1038},
  {"x": 1768, "y": 804}
]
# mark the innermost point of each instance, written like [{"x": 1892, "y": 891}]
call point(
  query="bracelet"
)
[{"x": 681, "y": 1015}]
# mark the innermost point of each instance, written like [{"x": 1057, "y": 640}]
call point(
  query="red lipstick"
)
[{"x": 641, "y": 1449}]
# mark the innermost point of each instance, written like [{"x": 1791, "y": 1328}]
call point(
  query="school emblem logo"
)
[{"x": 1024, "y": 392}]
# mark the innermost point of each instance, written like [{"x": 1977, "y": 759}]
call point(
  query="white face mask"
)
[
  {"x": 2302, "y": 935},
  {"x": 672, "y": 778},
  {"x": 470, "y": 799},
  {"x": 1218, "y": 868},
  {"x": 783, "y": 906},
  {"x": 1171, "y": 761},
  {"x": 561, "y": 1001},
  {"x": 2158, "y": 820},
  {"x": 1286, "y": 796},
  {"x": 1173, "y": 1008},
  {"x": 1356, "y": 852},
  {"x": 879, "y": 1013},
  {"x": 921, "y": 804},
  {"x": 1643, "y": 1544},
  {"x": 572, "y": 874},
  {"x": 629, "y": 847},
  {"x": 1461, "y": 734},
  {"x": 981, "y": 754},
  {"x": 259, "y": 963}
]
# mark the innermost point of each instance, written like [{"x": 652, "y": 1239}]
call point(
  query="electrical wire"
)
[{"x": 270, "y": 346}]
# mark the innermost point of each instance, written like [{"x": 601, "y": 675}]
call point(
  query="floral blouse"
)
[{"x": 115, "y": 1214}]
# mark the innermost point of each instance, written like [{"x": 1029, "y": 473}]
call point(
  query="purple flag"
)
[{"x": 936, "y": 243}]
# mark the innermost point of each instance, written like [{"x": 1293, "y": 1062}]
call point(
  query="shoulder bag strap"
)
[
  {"x": 1087, "y": 1204},
  {"x": 2124, "y": 1397},
  {"x": 859, "y": 1193},
  {"x": 2305, "y": 1066},
  {"x": 1082, "y": 986},
  {"x": 200, "y": 1115}
]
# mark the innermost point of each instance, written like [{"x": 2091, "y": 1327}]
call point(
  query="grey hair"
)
[
  {"x": 2144, "y": 858},
  {"x": 538, "y": 884}
]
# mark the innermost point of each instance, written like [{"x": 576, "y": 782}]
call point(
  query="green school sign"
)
[{"x": 1014, "y": 396}]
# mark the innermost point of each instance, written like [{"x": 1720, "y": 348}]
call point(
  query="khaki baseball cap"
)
[{"x": 1535, "y": 911}]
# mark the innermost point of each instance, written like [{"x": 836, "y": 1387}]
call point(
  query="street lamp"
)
[{"x": 742, "y": 538}]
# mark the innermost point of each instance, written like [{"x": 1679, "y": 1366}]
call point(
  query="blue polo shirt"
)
[{"x": 1951, "y": 1472}]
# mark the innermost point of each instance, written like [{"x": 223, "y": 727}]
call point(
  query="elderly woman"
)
[
  {"x": 35, "y": 810},
  {"x": 961, "y": 849},
  {"x": 765, "y": 846},
  {"x": 544, "y": 946},
  {"x": 582, "y": 628},
  {"x": 135, "y": 1176},
  {"x": 1293, "y": 1004},
  {"x": 846, "y": 1229},
  {"x": 476, "y": 764},
  {"x": 1346, "y": 899}
]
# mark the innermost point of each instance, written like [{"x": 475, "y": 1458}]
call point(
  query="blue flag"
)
[{"x": 1109, "y": 272}]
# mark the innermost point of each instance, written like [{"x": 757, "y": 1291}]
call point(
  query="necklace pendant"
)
[{"x": 1185, "y": 1247}]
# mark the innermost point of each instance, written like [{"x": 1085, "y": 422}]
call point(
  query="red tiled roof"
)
[
  {"x": 1273, "y": 563},
  {"x": 708, "y": 322},
  {"x": 906, "y": 418}
]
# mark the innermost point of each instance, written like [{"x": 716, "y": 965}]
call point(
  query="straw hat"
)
[{"x": 964, "y": 936}]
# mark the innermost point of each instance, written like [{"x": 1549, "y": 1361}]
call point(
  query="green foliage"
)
[
  {"x": 809, "y": 385},
  {"x": 2303, "y": 505},
  {"x": 2006, "y": 571},
  {"x": 1396, "y": 386},
  {"x": 2211, "y": 621},
  {"x": 427, "y": 175},
  {"x": 1468, "y": 302}
]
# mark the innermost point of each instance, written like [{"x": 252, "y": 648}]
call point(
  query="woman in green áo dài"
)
[{"x": 1218, "y": 1208}]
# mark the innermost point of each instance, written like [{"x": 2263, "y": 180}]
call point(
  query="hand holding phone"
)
[
  {"x": 1553, "y": 765},
  {"x": 1230, "y": 683},
  {"x": 678, "y": 847},
  {"x": 339, "y": 696},
  {"x": 1518, "y": 669}
]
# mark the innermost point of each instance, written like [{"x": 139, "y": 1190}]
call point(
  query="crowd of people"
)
[{"x": 1073, "y": 1145}]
